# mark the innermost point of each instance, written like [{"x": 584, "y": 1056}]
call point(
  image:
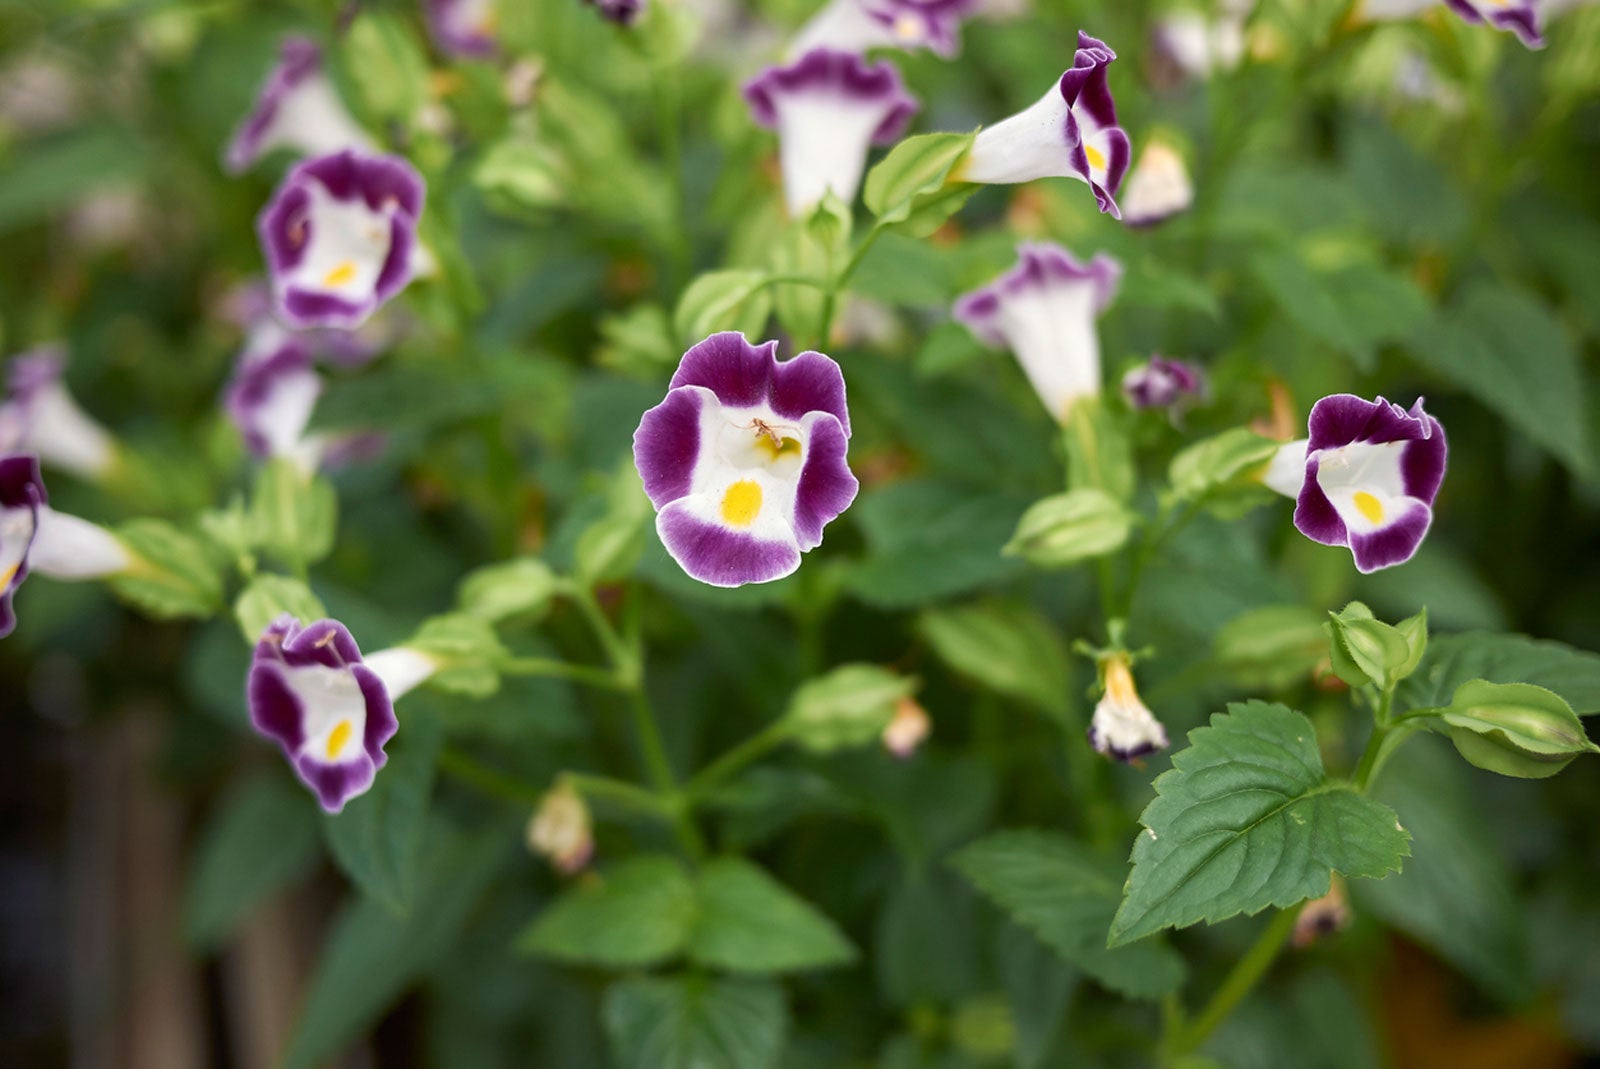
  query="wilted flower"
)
[
  {"x": 1162, "y": 383},
  {"x": 745, "y": 459},
  {"x": 1322, "y": 916},
  {"x": 1521, "y": 17},
  {"x": 1123, "y": 726},
  {"x": 463, "y": 28},
  {"x": 40, "y": 416},
  {"x": 560, "y": 830},
  {"x": 298, "y": 109},
  {"x": 1366, "y": 478},
  {"x": 622, "y": 12},
  {"x": 1044, "y": 311},
  {"x": 340, "y": 236},
  {"x": 859, "y": 25},
  {"x": 828, "y": 108},
  {"x": 331, "y": 711},
  {"x": 1158, "y": 188},
  {"x": 907, "y": 730},
  {"x": 1071, "y": 132}
]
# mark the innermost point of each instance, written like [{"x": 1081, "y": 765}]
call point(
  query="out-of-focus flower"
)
[
  {"x": 1521, "y": 17},
  {"x": 1189, "y": 45},
  {"x": 1071, "y": 132},
  {"x": 340, "y": 236},
  {"x": 1123, "y": 726},
  {"x": 560, "y": 830},
  {"x": 297, "y": 109},
  {"x": 463, "y": 28},
  {"x": 38, "y": 93},
  {"x": 35, "y": 537},
  {"x": 1044, "y": 310},
  {"x": 1158, "y": 188},
  {"x": 1322, "y": 916},
  {"x": 622, "y": 12},
  {"x": 40, "y": 416},
  {"x": 1162, "y": 383},
  {"x": 248, "y": 306},
  {"x": 1366, "y": 478},
  {"x": 828, "y": 108},
  {"x": 859, "y": 25},
  {"x": 330, "y": 711},
  {"x": 745, "y": 459},
  {"x": 907, "y": 730},
  {"x": 270, "y": 400}
]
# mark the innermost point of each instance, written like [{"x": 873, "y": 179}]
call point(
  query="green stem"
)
[
  {"x": 548, "y": 667},
  {"x": 841, "y": 280},
  {"x": 617, "y": 652},
  {"x": 492, "y": 782},
  {"x": 1237, "y": 984},
  {"x": 750, "y": 750},
  {"x": 598, "y": 788}
]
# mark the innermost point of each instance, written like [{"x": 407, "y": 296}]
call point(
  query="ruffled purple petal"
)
[
  {"x": 449, "y": 24},
  {"x": 381, "y": 723},
  {"x": 255, "y": 380},
  {"x": 275, "y": 710},
  {"x": 621, "y": 12},
  {"x": 1315, "y": 515},
  {"x": 1395, "y": 543},
  {"x": 1521, "y": 17},
  {"x": 377, "y": 180},
  {"x": 940, "y": 20},
  {"x": 336, "y": 783},
  {"x": 827, "y": 486},
  {"x": 667, "y": 444},
  {"x": 845, "y": 76},
  {"x": 1085, "y": 86},
  {"x": 720, "y": 557},
  {"x": 21, "y": 487},
  {"x": 298, "y": 58},
  {"x": 1162, "y": 383},
  {"x": 1040, "y": 265},
  {"x": 323, "y": 642},
  {"x": 744, "y": 375}
]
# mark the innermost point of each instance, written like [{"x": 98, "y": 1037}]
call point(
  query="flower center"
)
[
  {"x": 341, "y": 274},
  {"x": 5, "y": 576},
  {"x": 338, "y": 739},
  {"x": 1097, "y": 159},
  {"x": 741, "y": 503},
  {"x": 1368, "y": 506}
]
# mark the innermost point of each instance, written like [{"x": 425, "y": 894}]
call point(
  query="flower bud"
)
[
  {"x": 907, "y": 729},
  {"x": 560, "y": 830}
]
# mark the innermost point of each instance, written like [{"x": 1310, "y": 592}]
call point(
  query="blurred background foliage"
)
[{"x": 1352, "y": 232}]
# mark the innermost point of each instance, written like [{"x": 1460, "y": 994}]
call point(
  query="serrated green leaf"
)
[
  {"x": 270, "y": 596},
  {"x": 1245, "y": 819},
  {"x": 736, "y": 299},
  {"x": 695, "y": 1022},
  {"x": 749, "y": 922},
  {"x": 497, "y": 592},
  {"x": 1066, "y": 896},
  {"x": 1099, "y": 452},
  {"x": 1009, "y": 649},
  {"x": 1454, "y": 659},
  {"x": 1219, "y": 463},
  {"x": 636, "y": 913}
]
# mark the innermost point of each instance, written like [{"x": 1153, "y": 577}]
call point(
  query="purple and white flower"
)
[
  {"x": 859, "y": 25},
  {"x": 1071, "y": 132},
  {"x": 39, "y": 415},
  {"x": 463, "y": 28},
  {"x": 270, "y": 400},
  {"x": 622, "y": 12},
  {"x": 1123, "y": 726},
  {"x": 248, "y": 306},
  {"x": 1189, "y": 45},
  {"x": 340, "y": 238},
  {"x": 745, "y": 459},
  {"x": 21, "y": 497},
  {"x": 330, "y": 710},
  {"x": 1162, "y": 383},
  {"x": 297, "y": 109},
  {"x": 1521, "y": 17},
  {"x": 1158, "y": 188},
  {"x": 828, "y": 108},
  {"x": 1366, "y": 478},
  {"x": 1044, "y": 310}
]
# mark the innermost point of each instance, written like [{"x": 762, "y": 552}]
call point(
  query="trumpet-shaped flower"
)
[
  {"x": 463, "y": 28},
  {"x": 1071, "y": 132},
  {"x": 1366, "y": 478},
  {"x": 1123, "y": 726},
  {"x": 271, "y": 397},
  {"x": 330, "y": 711},
  {"x": 297, "y": 109},
  {"x": 859, "y": 25},
  {"x": 1162, "y": 383},
  {"x": 1158, "y": 188},
  {"x": 745, "y": 459},
  {"x": 828, "y": 108},
  {"x": 1190, "y": 45},
  {"x": 40, "y": 416},
  {"x": 340, "y": 236},
  {"x": 1044, "y": 311}
]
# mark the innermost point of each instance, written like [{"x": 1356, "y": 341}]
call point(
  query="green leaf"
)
[
  {"x": 54, "y": 173},
  {"x": 736, "y": 299},
  {"x": 1227, "y": 462},
  {"x": 608, "y": 549},
  {"x": 1245, "y": 820},
  {"x": 1515, "y": 729},
  {"x": 850, "y": 706},
  {"x": 496, "y": 592},
  {"x": 695, "y": 1022},
  {"x": 1099, "y": 453},
  {"x": 1365, "y": 650},
  {"x": 636, "y": 913},
  {"x": 467, "y": 651},
  {"x": 1011, "y": 650},
  {"x": 1066, "y": 896},
  {"x": 387, "y": 64},
  {"x": 261, "y": 838},
  {"x": 1039, "y": 986},
  {"x": 173, "y": 575},
  {"x": 269, "y": 597},
  {"x": 296, "y": 513},
  {"x": 1272, "y": 647},
  {"x": 817, "y": 247},
  {"x": 1066, "y": 529},
  {"x": 749, "y": 922},
  {"x": 912, "y": 179},
  {"x": 1454, "y": 659},
  {"x": 517, "y": 173},
  {"x": 377, "y": 840}
]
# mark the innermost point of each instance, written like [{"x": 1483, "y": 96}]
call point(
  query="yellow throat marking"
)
[
  {"x": 1368, "y": 506},
  {"x": 1097, "y": 159},
  {"x": 774, "y": 449},
  {"x": 338, "y": 739},
  {"x": 741, "y": 503},
  {"x": 5, "y": 576},
  {"x": 340, "y": 275}
]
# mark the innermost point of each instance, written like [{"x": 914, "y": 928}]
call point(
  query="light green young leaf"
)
[
  {"x": 497, "y": 592},
  {"x": 1066, "y": 896},
  {"x": 467, "y": 651},
  {"x": 173, "y": 575},
  {"x": 736, "y": 299},
  {"x": 1367, "y": 650},
  {"x": 1066, "y": 529},
  {"x": 1245, "y": 819},
  {"x": 850, "y": 706},
  {"x": 1454, "y": 659},
  {"x": 746, "y": 921},
  {"x": 693, "y": 1021},
  {"x": 914, "y": 179},
  {"x": 636, "y": 913},
  {"x": 518, "y": 174},
  {"x": 1009, "y": 649},
  {"x": 1225, "y": 462},
  {"x": 387, "y": 64},
  {"x": 296, "y": 514},
  {"x": 1515, "y": 729},
  {"x": 270, "y": 596},
  {"x": 1099, "y": 452},
  {"x": 1272, "y": 647}
]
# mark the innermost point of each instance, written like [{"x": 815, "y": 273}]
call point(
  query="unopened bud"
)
[
  {"x": 560, "y": 830},
  {"x": 909, "y": 726}
]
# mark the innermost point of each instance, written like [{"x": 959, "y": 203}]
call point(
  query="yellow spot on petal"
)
[
  {"x": 5, "y": 576},
  {"x": 338, "y": 739},
  {"x": 1368, "y": 506},
  {"x": 741, "y": 503},
  {"x": 1097, "y": 159},
  {"x": 784, "y": 447},
  {"x": 340, "y": 274},
  {"x": 907, "y": 28}
]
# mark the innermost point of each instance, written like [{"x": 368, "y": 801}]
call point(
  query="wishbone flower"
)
[
  {"x": 1071, "y": 132},
  {"x": 340, "y": 237},
  {"x": 1521, "y": 17},
  {"x": 1123, "y": 726},
  {"x": 828, "y": 108},
  {"x": 859, "y": 25},
  {"x": 331, "y": 711},
  {"x": 1158, "y": 188},
  {"x": 40, "y": 416},
  {"x": 463, "y": 28},
  {"x": 1366, "y": 478},
  {"x": 298, "y": 109},
  {"x": 1162, "y": 383},
  {"x": 745, "y": 459},
  {"x": 270, "y": 400},
  {"x": 1044, "y": 310}
]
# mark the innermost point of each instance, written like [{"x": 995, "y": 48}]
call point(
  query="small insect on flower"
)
[
  {"x": 1366, "y": 478},
  {"x": 1071, "y": 132},
  {"x": 463, "y": 28},
  {"x": 745, "y": 459},
  {"x": 1123, "y": 726},
  {"x": 859, "y": 25},
  {"x": 39, "y": 415},
  {"x": 340, "y": 238},
  {"x": 297, "y": 109},
  {"x": 560, "y": 830}
]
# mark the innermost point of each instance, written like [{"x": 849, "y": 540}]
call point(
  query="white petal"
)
[
  {"x": 16, "y": 528},
  {"x": 1286, "y": 472},
  {"x": 1052, "y": 331},
  {"x": 1365, "y": 484},
  {"x": 66, "y": 547},
  {"x": 332, "y": 698},
  {"x": 1030, "y": 144},
  {"x": 349, "y": 244},
  {"x": 1158, "y": 187},
  {"x": 65, "y": 436},
  {"x": 822, "y": 145},
  {"x": 402, "y": 669},
  {"x": 312, "y": 120},
  {"x": 843, "y": 26}
]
